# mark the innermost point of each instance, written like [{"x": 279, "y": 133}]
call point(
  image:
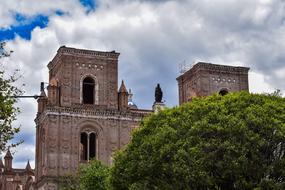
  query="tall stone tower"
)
[
  {"x": 83, "y": 116},
  {"x": 204, "y": 79}
]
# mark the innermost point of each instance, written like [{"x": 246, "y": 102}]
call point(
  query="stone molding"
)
[
  {"x": 129, "y": 115},
  {"x": 112, "y": 55},
  {"x": 214, "y": 68}
]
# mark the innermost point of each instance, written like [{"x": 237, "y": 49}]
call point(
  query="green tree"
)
[
  {"x": 94, "y": 176},
  {"x": 8, "y": 110},
  {"x": 231, "y": 142},
  {"x": 91, "y": 176}
]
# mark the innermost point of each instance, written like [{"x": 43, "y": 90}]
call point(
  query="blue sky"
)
[
  {"x": 90, "y": 5},
  {"x": 153, "y": 37},
  {"x": 24, "y": 25}
]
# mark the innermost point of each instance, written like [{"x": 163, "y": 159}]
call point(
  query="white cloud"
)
[
  {"x": 21, "y": 155},
  {"x": 153, "y": 37},
  {"x": 31, "y": 8},
  {"x": 259, "y": 84}
]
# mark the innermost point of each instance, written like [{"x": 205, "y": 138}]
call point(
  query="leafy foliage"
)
[
  {"x": 93, "y": 176},
  {"x": 231, "y": 142},
  {"x": 8, "y": 111}
]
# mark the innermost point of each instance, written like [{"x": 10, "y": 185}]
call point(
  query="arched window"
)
[
  {"x": 92, "y": 145},
  {"x": 223, "y": 92},
  {"x": 87, "y": 146},
  {"x": 83, "y": 146},
  {"x": 88, "y": 91}
]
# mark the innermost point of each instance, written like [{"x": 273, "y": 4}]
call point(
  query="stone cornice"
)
[
  {"x": 219, "y": 68},
  {"x": 201, "y": 66},
  {"x": 112, "y": 55},
  {"x": 129, "y": 115}
]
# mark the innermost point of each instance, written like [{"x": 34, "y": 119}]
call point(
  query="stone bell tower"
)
[
  {"x": 204, "y": 79},
  {"x": 82, "y": 116}
]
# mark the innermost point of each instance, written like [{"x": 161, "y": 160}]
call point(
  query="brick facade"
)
[
  {"x": 204, "y": 79},
  {"x": 69, "y": 131},
  {"x": 63, "y": 117}
]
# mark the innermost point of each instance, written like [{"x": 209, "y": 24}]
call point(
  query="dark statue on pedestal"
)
[{"x": 158, "y": 94}]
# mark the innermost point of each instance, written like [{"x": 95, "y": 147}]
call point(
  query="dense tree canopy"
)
[
  {"x": 8, "y": 110},
  {"x": 236, "y": 141},
  {"x": 93, "y": 176}
]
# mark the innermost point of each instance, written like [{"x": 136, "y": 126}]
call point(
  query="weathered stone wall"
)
[
  {"x": 60, "y": 144},
  {"x": 204, "y": 79},
  {"x": 70, "y": 66},
  {"x": 60, "y": 124}
]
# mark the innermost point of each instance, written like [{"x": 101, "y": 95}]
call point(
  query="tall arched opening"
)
[
  {"x": 88, "y": 146},
  {"x": 88, "y": 92}
]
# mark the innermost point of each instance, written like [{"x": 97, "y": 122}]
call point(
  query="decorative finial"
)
[
  {"x": 42, "y": 86},
  {"x": 28, "y": 166},
  {"x": 43, "y": 94},
  {"x": 158, "y": 94},
  {"x": 123, "y": 88}
]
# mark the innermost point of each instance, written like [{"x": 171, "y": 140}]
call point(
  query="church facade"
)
[{"x": 84, "y": 114}]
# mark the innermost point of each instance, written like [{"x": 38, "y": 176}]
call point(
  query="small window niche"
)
[
  {"x": 88, "y": 91},
  {"x": 223, "y": 92}
]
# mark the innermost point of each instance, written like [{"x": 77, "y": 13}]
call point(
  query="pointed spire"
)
[
  {"x": 28, "y": 166},
  {"x": 123, "y": 97},
  {"x": 123, "y": 88},
  {"x": 8, "y": 155},
  {"x": 8, "y": 160},
  {"x": 43, "y": 95}
]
